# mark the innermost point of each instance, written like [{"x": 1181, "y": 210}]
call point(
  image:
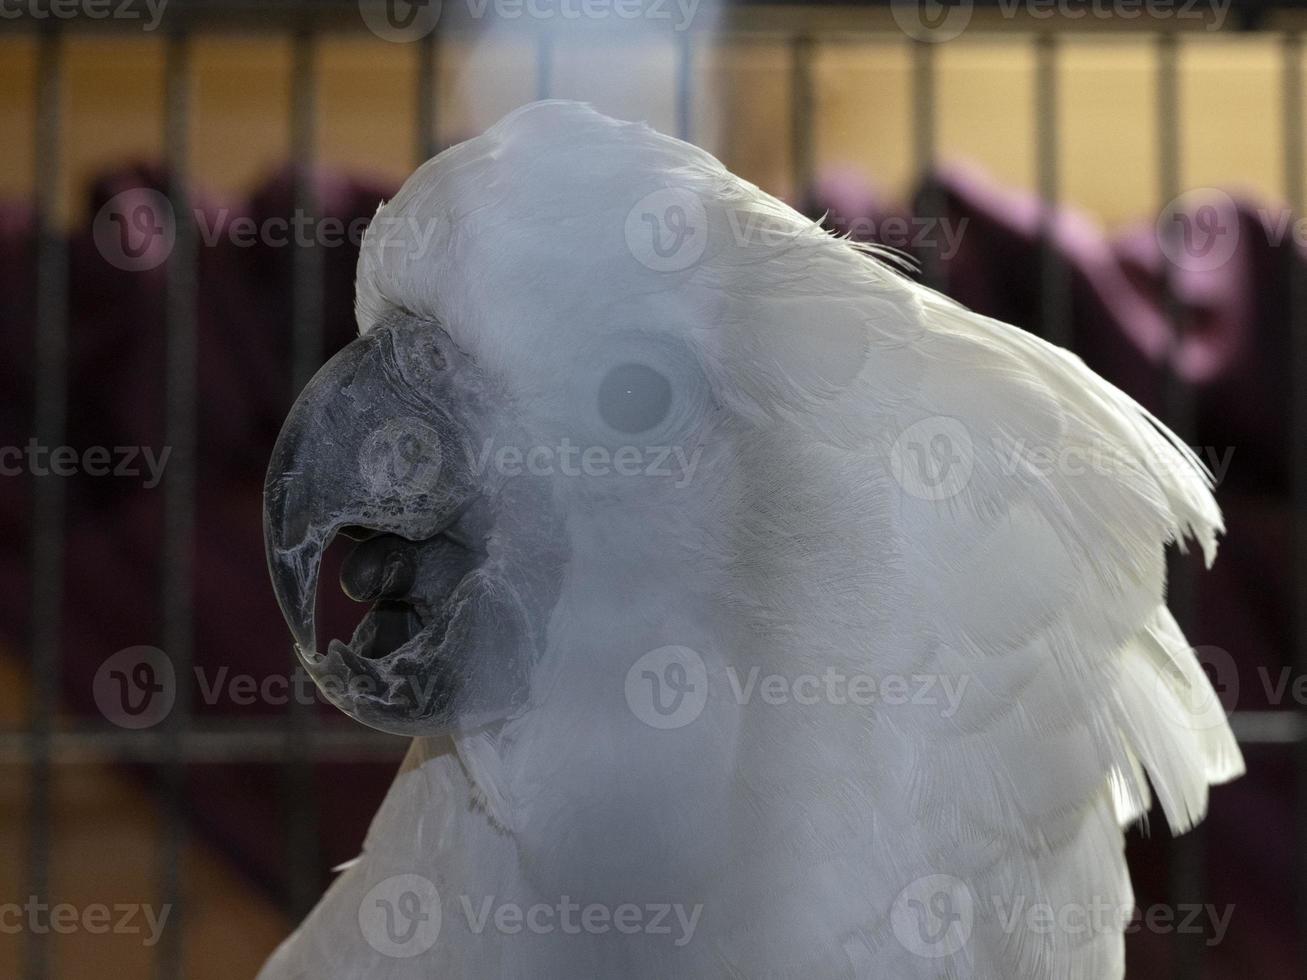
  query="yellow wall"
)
[{"x": 1230, "y": 107}]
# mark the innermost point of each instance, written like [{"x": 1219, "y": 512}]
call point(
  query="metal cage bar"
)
[
  {"x": 427, "y": 123},
  {"x": 1186, "y": 854},
  {"x": 685, "y": 87},
  {"x": 1293, "y": 136},
  {"x": 1054, "y": 316},
  {"x": 50, "y": 375},
  {"x": 298, "y": 791},
  {"x": 176, "y": 591},
  {"x": 544, "y": 64},
  {"x": 802, "y": 98},
  {"x": 929, "y": 203}
]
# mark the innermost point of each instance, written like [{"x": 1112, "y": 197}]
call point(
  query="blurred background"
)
[{"x": 183, "y": 186}]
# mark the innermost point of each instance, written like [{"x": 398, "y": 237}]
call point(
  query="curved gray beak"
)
[
  {"x": 461, "y": 567},
  {"x": 368, "y": 443}
]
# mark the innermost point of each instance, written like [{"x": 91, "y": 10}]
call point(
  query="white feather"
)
[{"x": 796, "y": 549}]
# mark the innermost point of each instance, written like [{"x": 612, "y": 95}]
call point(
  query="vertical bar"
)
[
  {"x": 1186, "y": 853},
  {"x": 306, "y": 356},
  {"x": 801, "y": 102},
  {"x": 1054, "y": 323},
  {"x": 306, "y": 284},
  {"x": 176, "y": 584},
  {"x": 1297, "y": 449},
  {"x": 930, "y": 203},
  {"x": 426, "y": 97},
  {"x": 544, "y": 63},
  {"x": 684, "y": 86},
  {"x": 50, "y": 374}
]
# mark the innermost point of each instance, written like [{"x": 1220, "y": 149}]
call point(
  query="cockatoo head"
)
[
  {"x": 583, "y": 414},
  {"x": 623, "y": 440}
]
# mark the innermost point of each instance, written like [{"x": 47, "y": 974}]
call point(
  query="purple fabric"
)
[
  {"x": 116, "y": 398},
  {"x": 1233, "y": 351}
]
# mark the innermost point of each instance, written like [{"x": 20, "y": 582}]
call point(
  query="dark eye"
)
[{"x": 634, "y": 398}]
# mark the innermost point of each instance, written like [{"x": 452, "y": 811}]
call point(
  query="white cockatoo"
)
[{"x": 756, "y": 611}]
